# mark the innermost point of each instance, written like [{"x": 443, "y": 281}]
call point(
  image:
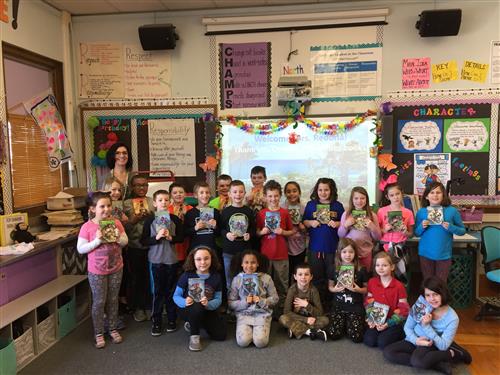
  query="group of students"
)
[{"x": 247, "y": 264}]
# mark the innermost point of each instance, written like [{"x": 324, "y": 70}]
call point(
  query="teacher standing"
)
[{"x": 119, "y": 161}]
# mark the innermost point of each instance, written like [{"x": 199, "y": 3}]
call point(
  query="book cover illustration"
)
[
  {"x": 359, "y": 217},
  {"x": 206, "y": 214},
  {"x": 117, "y": 209},
  {"x": 395, "y": 219},
  {"x": 377, "y": 314},
  {"x": 346, "y": 276},
  {"x": 141, "y": 207},
  {"x": 196, "y": 289},
  {"x": 272, "y": 220},
  {"x": 238, "y": 224},
  {"x": 435, "y": 215},
  {"x": 250, "y": 284},
  {"x": 295, "y": 215},
  {"x": 322, "y": 213},
  {"x": 109, "y": 231},
  {"x": 163, "y": 221},
  {"x": 420, "y": 308}
]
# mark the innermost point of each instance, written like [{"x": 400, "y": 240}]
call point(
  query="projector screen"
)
[{"x": 344, "y": 157}]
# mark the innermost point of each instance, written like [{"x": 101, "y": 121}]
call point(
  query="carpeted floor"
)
[{"x": 140, "y": 353}]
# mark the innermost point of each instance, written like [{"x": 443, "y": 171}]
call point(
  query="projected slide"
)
[{"x": 344, "y": 157}]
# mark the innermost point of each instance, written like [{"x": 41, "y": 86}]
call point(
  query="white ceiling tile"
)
[
  {"x": 239, "y": 3},
  {"x": 83, "y": 7},
  {"x": 188, "y": 4},
  {"x": 138, "y": 6}
]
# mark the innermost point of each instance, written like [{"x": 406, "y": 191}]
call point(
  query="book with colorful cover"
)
[
  {"x": 164, "y": 221},
  {"x": 322, "y": 213},
  {"x": 117, "y": 209},
  {"x": 272, "y": 220},
  {"x": 109, "y": 231},
  {"x": 420, "y": 308},
  {"x": 206, "y": 214},
  {"x": 250, "y": 284},
  {"x": 238, "y": 224},
  {"x": 295, "y": 215},
  {"x": 196, "y": 288},
  {"x": 435, "y": 215},
  {"x": 377, "y": 313},
  {"x": 140, "y": 206},
  {"x": 346, "y": 276},
  {"x": 395, "y": 219},
  {"x": 359, "y": 217}
]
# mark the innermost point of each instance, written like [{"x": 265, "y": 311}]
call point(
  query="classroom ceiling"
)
[{"x": 88, "y": 7}]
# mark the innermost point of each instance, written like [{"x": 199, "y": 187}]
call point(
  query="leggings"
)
[
  {"x": 258, "y": 334},
  {"x": 105, "y": 289},
  {"x": 199, "y": 317},
  {"x": 350, "y": 323},
  {"x": 425, "y": 357},
  {"x": 383, "y": 338},
  {"x": 439, "y": 268}
]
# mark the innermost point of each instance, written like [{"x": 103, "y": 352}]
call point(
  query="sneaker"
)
[
  {"x": 194, "y": 343},
  {"x": 321, "y": 335},
  {"x": 461, "y": 354},
  {"x": 187, "y": 327},
  {"x": 156, "y": 330},
  {"x": 140, "y": 316},
  {"x": 444, "y": 367},
  {"x": 171, "y": 326},
  {"x": 290, "y": 333}
]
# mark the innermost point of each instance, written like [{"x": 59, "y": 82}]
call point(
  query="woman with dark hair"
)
[
  {"x": 430, "y": 330},
  {"x": 119, "y": 161}
]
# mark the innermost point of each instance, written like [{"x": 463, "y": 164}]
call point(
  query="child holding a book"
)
[
  {"x": 360, "y": 224},
  {"x": 222, "y": 185},
  {"x": 102, "y": 239},
  {"x": 347, "y": 285},
  {"x": 237, "y": 227},
  {"x": 303, "y": 312},
  {"x": 436, "y": 223},
  {"x": 430, "y": 330},
  {"x": 137, "y": 209},
  {"x": 322, "y": 219},
  {"x": 386, "y": 305},
  {"x": 160, "y": 233},
  {"x": 297, "y": 241},
  {"x": 198, "y": 295},
  {"x": 178, "y": 208},
  {"x": 252, "y": 296},
  {"x": 274, "y": 226},
  {"x": 202, "y": 222},
  {"x": 255, "y": 199}
]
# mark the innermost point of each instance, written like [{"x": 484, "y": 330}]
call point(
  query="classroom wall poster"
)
[
  {"x": 495, "y": 63},
  {"x": 245, "y": 75},
  {"x": 420, "y": 135},
  {"x": 101, "y": 70},
  {"x": 467, "y": 135},
  {"x": 474, "y": 71},
  {"x": 172, "y": 146},
  {"x": 429, "y": 168},
  {"x": 346, "y": 70},
  {"x": 146, "y": 73},
  {"x": 416, "y": 73},
  {"x": 445, "y": 71},
  {"x": 43, "y": 109}
]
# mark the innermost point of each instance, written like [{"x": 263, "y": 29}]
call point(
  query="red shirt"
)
[
  {"x": 389, "y": 296},
  {"x": 274, "y": 246},
  {"x": 180, "y": 248}
]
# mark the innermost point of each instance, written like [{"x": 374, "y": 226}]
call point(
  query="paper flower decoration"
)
[
  {"x": 93, "y": 122},
  {"x": 210, "y": 164}
]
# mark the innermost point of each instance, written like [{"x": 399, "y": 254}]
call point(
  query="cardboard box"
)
[{"x": 68, "y": 199}]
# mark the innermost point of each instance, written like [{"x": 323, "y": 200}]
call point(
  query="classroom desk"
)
[{"x": 471, "y": 241}]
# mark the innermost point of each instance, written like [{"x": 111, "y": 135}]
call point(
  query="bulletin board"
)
[
  {"x": 179, "y": 136},
  {"x": 459, "y": 137}
]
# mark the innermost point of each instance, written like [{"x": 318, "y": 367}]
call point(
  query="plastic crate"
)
[
  {"x": 25, "y": 350},
  {"x": 471, "y": 214},
  {"x": 7, "y": 357},
  {"x": 46, "y": 332},
  {"x": 66, "y": 318},
  {"x": 461, "y": 280}
]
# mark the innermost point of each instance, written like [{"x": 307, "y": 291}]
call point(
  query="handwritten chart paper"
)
[
  {"x": 446, "y": 71},
  {"x": 346, "y": 70},
  {"x": 245, "y": 75},
  {"x": 147, "y": 73},
  {"x": 416, "y": 73},
  {"x": 474, "y": 71},
  {"x": 172, "y": 146},
  {"x": 101, "y": 70}
]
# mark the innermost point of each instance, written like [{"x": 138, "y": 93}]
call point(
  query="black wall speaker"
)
[
  {"x": 441, "y": 22},
  {"x": 155, "y": 37}
]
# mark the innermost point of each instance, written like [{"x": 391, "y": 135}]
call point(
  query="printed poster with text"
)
[
  {"x": 416, "y": 73},
  {"x": 467, "y": 135},
  {"x": 147, "y": 73},
  {"x": 352, "y": 72},
  {"x": 430, "y": 167},
  {"x": 245, "y": 75},
  {"x": 172, "y": 147},
  {"x": 100, "y": 70},
  {"x": 420, "y": 135}
]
